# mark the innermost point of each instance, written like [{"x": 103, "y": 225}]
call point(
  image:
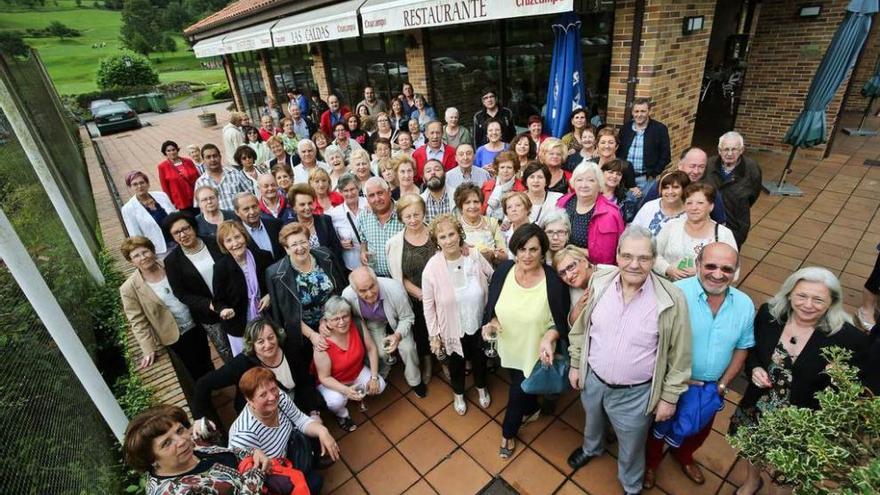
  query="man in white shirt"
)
[
  {"x": 465, "y": 171},
  {"x": 233, "y": 137}
]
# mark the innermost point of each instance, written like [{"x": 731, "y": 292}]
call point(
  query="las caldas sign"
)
[
  {"x": 407, "y": 14},
  {"x": 298, "y": 34}
]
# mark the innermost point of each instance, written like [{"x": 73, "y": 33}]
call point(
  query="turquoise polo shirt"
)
[{"x": 716, "y": 337}]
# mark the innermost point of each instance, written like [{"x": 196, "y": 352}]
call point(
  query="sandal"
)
[
  {"x": 508, "y": 445},
  {"x": 863, "y": 321},
  {"x": 346, "y": 424}
]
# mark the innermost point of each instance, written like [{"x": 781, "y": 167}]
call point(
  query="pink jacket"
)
[
  {"x": 604, "y": 230},
  {"x": 438, "y": 298}
]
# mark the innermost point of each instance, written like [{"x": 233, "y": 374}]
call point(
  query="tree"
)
[
  {"x": 59, "y": 30},
  {"x": 126, "y": 70},
  {"x": 11, "y": 43},
  {"x": 140, "y": 29},
  {"x": 169, "y": 45},
  {"x": 834, "y": 449}
]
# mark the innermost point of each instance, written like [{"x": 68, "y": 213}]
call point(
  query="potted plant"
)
[
  {"x": 834, "y": 449},
  {"x": 208, "y": 119}
]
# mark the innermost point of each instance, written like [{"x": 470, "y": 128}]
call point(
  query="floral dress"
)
[
  {"x": 216, "y": 474},
  {"x": 314, "y": 288},
  {"x": 775, "y": 397}
]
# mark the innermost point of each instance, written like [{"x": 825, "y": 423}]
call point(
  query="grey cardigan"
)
[{"x": 395, "y": 303}]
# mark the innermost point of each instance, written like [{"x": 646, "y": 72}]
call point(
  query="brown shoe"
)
[
  {"x": 693, "y": 472},
  {"x": 650, "y": 479}
]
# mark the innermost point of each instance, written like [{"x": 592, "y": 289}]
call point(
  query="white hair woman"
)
[
  {"x": 453, "y": 133},
  {"x": 803, "y": 318},
  {"x": 596, "y": 223}
]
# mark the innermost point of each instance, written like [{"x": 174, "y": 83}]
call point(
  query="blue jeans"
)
[{"x": 644, "y": 183}]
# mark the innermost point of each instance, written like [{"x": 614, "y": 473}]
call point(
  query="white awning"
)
[
  {"x": 329, "y": 23},
  {"x": 210, "y": 47},
  {"x": 382, "y": 16},
  {"x": 249, "y": 39}
]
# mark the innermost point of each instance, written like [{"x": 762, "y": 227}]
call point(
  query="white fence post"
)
[{"x": 30, "y": 280}]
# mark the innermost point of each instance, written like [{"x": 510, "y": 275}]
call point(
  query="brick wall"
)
[
  {"x": 319, "y": 72},
  {"x": 416, "y": 65},
  {"x": 783, "y": 58},
  {"x": 671, "y": 65},
  {"x": 864, "y": 70}
]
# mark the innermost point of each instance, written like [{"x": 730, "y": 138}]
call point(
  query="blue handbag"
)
[{"x": 552, "y": 379}]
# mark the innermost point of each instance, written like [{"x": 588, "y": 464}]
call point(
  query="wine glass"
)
[
  {"x": 390, "y": 359},
  {"x": 492, "y": 340},
  {"x": 361, "y": 390}
]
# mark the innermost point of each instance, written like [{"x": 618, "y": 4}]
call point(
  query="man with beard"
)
[
  {"x": 438, "y": 199},
  {"x": 433, "y": 149},
  {"x": 262, "y": 228}
]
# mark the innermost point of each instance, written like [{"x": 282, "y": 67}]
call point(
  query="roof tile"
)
[{"x": 232, "y": 11}]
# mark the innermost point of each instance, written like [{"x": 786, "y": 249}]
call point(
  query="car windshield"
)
[{"x": 113, "y": 108}]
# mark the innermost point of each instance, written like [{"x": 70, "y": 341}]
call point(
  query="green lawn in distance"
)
[{"x": 72, "y": 63}]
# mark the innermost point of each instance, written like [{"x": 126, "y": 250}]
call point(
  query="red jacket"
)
[
  {"x": 326, "y": 127},
  {"x": 421, "y": 156},
  {"x": 179, "y": 182},
  {"x": 604, "y": 229}
]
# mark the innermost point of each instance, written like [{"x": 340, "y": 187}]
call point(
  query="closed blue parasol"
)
[
  {"x": 870, "y": 90},
  {"x": 809, "y": 127},
  {"x": 565, "y": 90}
]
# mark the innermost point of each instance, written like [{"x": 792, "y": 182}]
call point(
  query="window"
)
[
  {"x": 292, "y": 67},
  {"x": 375, "y": 59},
  {"x": 250, "y": 83}
]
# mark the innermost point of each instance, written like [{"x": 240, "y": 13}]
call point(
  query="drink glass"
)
[
  {"x": 361, "y": 390},
  {"x": 492, "y": 340},
  {"x": 390, "y": 359}
]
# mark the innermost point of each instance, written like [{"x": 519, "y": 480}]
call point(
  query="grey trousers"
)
[
  {"x": 406, "y": 348},
  {"x": 625, "y": 409}
]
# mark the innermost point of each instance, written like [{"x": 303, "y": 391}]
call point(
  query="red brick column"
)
[
  {"x": 229, "y": 68},
  {"x": 671, "y": 64},
  {"x": 783, "y": 58},
  {"x": 319, "y": 70},
  {"x": 417, "y": 63},
  {"x": 267, "y": 75}
]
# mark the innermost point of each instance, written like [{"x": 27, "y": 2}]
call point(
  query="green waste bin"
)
[
  {"x": 157, "y": 102},
  {"x": 137, "y": 103}
]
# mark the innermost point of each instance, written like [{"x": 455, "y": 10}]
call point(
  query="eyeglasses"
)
[
  {"x": 570, "y": 268},
  {"x": 181, "y": 230},
  {"x": 336, "y": 320},
  {"x": 628, "y": 258},
  {"x": 556, "y": 233},
  {"x": 729, "y": 150},
  {"x": 725, "y": 269},
  {"x": 297, "y": 244},
  {"x": 802, "y": 298}
]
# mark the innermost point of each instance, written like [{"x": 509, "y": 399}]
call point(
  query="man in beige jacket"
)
[{"x": 630, "y": 355}]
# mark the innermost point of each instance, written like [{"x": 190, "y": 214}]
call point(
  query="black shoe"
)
[
  {"x": 578, "y": 458},
  {"x": 421, "y": 390}
]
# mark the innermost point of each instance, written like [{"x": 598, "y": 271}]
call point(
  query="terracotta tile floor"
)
[{"x": 409, "y": 445}]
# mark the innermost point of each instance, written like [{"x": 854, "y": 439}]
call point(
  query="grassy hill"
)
[{"x": 73, "y": 63}]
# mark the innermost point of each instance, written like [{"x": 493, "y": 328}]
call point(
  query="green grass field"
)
[{"x": 73, "y": 63}]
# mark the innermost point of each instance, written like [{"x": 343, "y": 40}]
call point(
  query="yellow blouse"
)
[{"x": 525, "y": 317}]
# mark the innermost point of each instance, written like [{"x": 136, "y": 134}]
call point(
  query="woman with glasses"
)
[
  {"x": 680, "y": 240},
  {"x": 575, "y": 270},
  {"x": 557, "y": 226},
  {"x": 383, "y": 130},
  {"x": 340, "y": 363}
]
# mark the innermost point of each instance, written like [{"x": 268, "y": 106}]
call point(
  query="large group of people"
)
[{"x": 328, "y": 245}]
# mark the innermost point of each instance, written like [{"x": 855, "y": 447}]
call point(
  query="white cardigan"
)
[
  {"x": 138, "y": 220},
  {"x": 674, "y": 244}
]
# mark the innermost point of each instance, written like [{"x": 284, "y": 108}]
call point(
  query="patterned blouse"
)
[
  {"x": 314, "y": 288},
  {"x": 216, "y": 474}
]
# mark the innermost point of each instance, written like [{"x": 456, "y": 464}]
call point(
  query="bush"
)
[
  {"x": 169, "y": 45},
  {"x": 58, "y": 30},
  {"x": 221, "y": 92},
  {"x": 11, "y": 42},
  {"x": 834, "y": 449},
  {"x": 126, "y": 70}
]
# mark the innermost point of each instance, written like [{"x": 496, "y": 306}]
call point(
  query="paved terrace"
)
[{"x": 406, "y": 444}]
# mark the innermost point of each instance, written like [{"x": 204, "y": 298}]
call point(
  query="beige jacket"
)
[
  {"x": 151, "y": 322},
  {"x": 673, "y": 367}
]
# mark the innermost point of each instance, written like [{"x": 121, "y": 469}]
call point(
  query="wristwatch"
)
[
  {"x": 723, "y": 388},
  {"x": 374, "y": 378}
]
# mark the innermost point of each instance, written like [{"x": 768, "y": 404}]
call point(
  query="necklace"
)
[{"x": 199, "y": 247}]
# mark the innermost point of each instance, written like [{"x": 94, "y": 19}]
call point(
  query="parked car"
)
[
  {"x": 94, "y": 105},
  {"x": 444, "y": 65},
  {"x": 116, "y": 116}
]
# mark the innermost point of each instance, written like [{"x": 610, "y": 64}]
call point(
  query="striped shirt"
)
[
  {"x": 231, "y": 183},
  {"x": 248, "y": 432}
]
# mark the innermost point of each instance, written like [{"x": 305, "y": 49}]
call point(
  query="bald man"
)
[
  {"x": 722, "y": 330},
  {"x": 383, "y": 305},
  {"x": 693, "y": 162}
]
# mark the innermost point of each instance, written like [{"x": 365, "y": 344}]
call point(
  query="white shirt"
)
[
  {"x": 260, "y": 237},
  {"x": 179, "y": 310},
  {"x": 301, "y": 175},
  {"x": 468, "y": 294},
  {"x": 344, "y": 230},
  {"x": 675, "y": 245},
  {"x": 204, "y": 264}
]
